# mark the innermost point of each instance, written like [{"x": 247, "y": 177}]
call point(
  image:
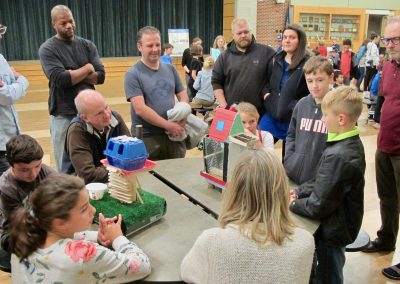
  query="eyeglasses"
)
[
  {"x": 3, "y": 30},
  {"x": 394, "y": 40}
]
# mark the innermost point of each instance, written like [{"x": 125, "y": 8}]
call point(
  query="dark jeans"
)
[
  {"x": 369, "y": 75},
  {"x": 187, "y": 78},
  {"x": 328, "y": 264},
  {"x": 378, "y": 106},
  {"x": 3, "y": 162},
  {"x": 361, "y": 75},
  {"x": 387, "y": 168}
]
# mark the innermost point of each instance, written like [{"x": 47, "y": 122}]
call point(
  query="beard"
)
[
  {"x": 395, "y": 55},
  {"x": 244, "y": 43}
]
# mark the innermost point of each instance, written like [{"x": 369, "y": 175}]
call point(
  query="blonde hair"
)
[
  {"x": 215, "y": 45},
  {"x": 345, "y": 100},
  {"x": 257, "y": 198},
  {"x": 208, "y": 63},
  {"x": 248, "y": 108},
  {"x": 239, "y": 21}
]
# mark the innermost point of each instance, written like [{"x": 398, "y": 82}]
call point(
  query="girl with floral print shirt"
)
[{"x": 44, "y": 236}]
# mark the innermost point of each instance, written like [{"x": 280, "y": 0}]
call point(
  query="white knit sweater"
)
[{"x": 226, "y": 256}]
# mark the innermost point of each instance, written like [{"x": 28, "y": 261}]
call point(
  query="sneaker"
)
[
  {"x": 392, "y": 272},
  {"x": 366, "y": 101}
]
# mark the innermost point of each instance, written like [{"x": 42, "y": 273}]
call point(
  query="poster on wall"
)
[{"x": 179, "y": 38}]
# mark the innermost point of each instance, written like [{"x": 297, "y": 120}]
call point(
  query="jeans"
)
[
  {"x": 369, "y": 75},
  {"x": 361, "y": 74},
  {"x": 387, "y": 168},
  {"x": 328, "y": 264},
  {"x": 3, "y": 162},
  {"x": 187, "y": 78},
  {"x": 58, "y": 130}
]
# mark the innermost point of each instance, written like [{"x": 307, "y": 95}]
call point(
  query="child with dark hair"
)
[
  {"x": 50, "y": 240},
  {"x": 196, "y": 51},
  {"x": 347, "y": 63},
  {"x": 306, "y": 136},
  {"x": 166, "y": 57},
  {"x": 26, "y": 172},
  {"x": 338, "y": 78}
]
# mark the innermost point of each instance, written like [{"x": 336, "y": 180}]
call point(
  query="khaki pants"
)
[{"x": 161, "y": 148}]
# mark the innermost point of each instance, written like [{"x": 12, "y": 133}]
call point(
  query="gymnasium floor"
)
[{"x": 359, "y": 268}]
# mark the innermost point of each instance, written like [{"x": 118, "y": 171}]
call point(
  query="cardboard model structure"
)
[
  {"x": 126, "y": 157},
  {"x": 124, "y": 185},
  {"x": 222, "y": 147}
]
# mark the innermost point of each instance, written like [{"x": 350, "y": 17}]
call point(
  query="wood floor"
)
[{"x": 359, "y": 268}]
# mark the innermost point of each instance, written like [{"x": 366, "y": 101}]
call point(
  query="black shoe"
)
[{"x": 377, "y": 246}]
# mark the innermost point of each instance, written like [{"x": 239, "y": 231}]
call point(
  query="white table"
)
[
  {"x": 168, "y": 240},
  {"x": 184, "y": 175}
]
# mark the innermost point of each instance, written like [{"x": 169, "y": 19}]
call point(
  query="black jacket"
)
[
  {"x": 243, "y": 75},
  {"x": 305, "y": 141},
  {"x": 336, "y": 195},
  {"x": 281, "y": 102}
]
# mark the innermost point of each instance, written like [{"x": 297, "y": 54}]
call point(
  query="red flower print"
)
[
  {"x": 78, "y": 250},
  {"x": 134, "y": 265}
]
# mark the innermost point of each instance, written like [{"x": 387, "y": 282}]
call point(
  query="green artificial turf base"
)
[{"x": 134, "y": 215}]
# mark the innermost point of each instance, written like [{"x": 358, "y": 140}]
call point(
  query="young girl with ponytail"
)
[{"x": 49, "y": 238}]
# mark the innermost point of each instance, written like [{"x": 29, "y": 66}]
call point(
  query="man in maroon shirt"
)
[{"x": 387, "y": 157}]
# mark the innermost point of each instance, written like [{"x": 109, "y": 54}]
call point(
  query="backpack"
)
[{"x": 360, "y": 54}]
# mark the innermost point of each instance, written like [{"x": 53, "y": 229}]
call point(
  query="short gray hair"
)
[
  {"x": 83, "y": 97},
  {"x": 147, "y": 30},
  {"x": 395, "y": 19}
]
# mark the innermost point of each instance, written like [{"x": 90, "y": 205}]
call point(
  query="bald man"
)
[
  {"x": 71, "y": 64},
  {"x": 88, "y": 133}
]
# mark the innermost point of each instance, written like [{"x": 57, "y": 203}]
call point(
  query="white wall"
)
[{"x": 247, "y": 9}]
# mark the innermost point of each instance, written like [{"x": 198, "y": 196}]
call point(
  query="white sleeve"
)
[
  {"x": 16, "y": 90},
  {"x": 267, "y": 139},
  {"x": 127, "y": 263},
  {"x": 87, "y": 235}
]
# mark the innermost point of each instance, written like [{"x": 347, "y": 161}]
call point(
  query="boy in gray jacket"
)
[
  {"x": 306, "y": 137},
  {"x": 335, "y": 196}
]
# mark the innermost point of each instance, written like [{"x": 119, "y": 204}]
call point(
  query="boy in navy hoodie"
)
[
  {"x": 306, "y": 137},
  {"x": 335, "y": 196}
]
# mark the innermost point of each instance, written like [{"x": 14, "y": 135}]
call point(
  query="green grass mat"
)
[{"x": 134, "y": 215}]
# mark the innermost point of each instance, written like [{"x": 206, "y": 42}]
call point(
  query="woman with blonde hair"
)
[
  {"x": 202, "y": 84},
  {"x": 218, "y": 47},
  {"x": 257, "y": 241}
]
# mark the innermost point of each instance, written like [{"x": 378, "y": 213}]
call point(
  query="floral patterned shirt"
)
[{"x": 83, "y": 261}]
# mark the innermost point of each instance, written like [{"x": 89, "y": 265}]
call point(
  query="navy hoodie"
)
[{"x": 306, "y": 140}]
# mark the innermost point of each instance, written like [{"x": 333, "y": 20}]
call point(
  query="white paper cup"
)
[{"x": 96, "y": 190}]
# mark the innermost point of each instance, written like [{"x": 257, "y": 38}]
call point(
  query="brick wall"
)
[{"x": 271, "y": 17}]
